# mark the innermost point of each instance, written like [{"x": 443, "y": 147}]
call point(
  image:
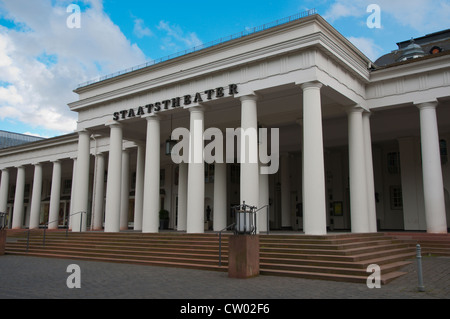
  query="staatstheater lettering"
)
[{"x": 175, "y": 102}]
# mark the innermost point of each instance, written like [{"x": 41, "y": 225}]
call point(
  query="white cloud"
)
[
  {"x": 423, "y": 16},
  {"x": 140, "y": 30},
  {"x": 176, "y": 39},
  {"x": 367, "y": 46},
  {"x": 343, "y": 9},
  {"x": 42, "y": 60}
]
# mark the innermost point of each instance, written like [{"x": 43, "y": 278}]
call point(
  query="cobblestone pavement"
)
[{"x": 25, "y": 277}]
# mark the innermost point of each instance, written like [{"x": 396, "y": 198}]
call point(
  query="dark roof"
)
[
  {"x": 438, "y": 40},
  {"x": 9, "y": 139}
]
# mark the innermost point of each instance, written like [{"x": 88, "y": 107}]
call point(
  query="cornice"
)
[
  {"x": 410, "y": 69},
  {"x": 315, "y": 40},
  {"x": 39, "y": 145}
]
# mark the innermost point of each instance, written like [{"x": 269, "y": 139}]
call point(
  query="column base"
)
[{"x": 243, "y": 256}]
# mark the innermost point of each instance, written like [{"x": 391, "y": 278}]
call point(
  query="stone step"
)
[
  {"x": 385, "y": 269},
  {"x": 201, "y": 253},
  {"x": 120, "y": 259},
  {"x": 340, "y": 256},
  {"x": 385, "y": 279}
]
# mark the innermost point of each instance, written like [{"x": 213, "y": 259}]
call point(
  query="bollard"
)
[{"x": 419, "y": 268}]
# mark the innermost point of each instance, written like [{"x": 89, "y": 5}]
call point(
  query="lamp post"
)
[{"x": 243, "y": 246}]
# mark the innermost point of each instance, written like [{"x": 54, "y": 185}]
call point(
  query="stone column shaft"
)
[
  {"x": 113, "y": 187},
  {"x": 314, "y": 201},
  {"x": 19, "y": 199},
  {"x": 55, "y": 196},
  {"x": 433, "y": 186}
]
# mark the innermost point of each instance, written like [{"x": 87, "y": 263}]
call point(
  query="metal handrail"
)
[
  {"x": 210, "y": 44},
  {"x": 220, "y": 242},
  {"x": 46, "y": 226},
  {"x": 268, "y": 217}
]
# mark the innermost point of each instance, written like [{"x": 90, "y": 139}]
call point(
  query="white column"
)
[
  {"x": 314, "y": 201},
  {"x": 433, "y": 188},
  {"x": 19, "y": 198},
  {"x": 72, "y": 193},
  {"x": 196, "y": 173},
  {"x": 99, "y": 192},
  {"x": 139, "y": 188},
  {"x": 55, "y": 196},
  {"x": 113, "y": 186},
  {"x": 4, "y": 186},
  {"x": 369, "y": 173},
  {"x": 182, "y": 196},
  {"x": 36, "y": 197},
  {"x": 125, "y": 190},
  {"x": 80, "y": 205},
  {"x": 357, "y": 172},
  {"x": 249, "y": 179},
  {"x": 220, "y": 196},
  {"x": 263, "y": 201},
  {"x": 249, "y": 151},
  {"x": 150, "y": 218},
  {"x": 285, "y": 193}
]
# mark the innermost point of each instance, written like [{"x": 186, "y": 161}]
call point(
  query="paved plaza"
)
[{"x": 25, "y": 277}]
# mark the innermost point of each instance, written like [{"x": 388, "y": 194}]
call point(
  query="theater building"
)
[{"x": 355, "y": 145}]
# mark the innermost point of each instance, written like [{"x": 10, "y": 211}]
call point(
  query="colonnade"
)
[{"x": 253, "y": 185}]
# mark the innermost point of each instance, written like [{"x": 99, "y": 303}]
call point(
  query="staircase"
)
[
  {"x": 196, "y": 251},
  {"x": 339, "y": 257},
  {"x": 343, "y": 257},
  {"x": 431, "y": 244}
]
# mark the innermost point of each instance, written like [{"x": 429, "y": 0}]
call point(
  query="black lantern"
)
[{"x": 245, "y": 219}]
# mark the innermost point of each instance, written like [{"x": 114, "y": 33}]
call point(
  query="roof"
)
[
  {"x": 433, "y": 44},
  {"x": 9, "y": 139}
]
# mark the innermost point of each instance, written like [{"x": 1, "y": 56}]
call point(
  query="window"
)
[
  {"x": 396, "y": 197},
  {"x": 393, "y": 162},
  {"x": 67, "y": 187},
  {"x": 444, "y": 152},
  {"x": 27, "y": 191},
  {"x": 162, "y": 177},
  {"x": 209, "y": 173},
  {"x": 235, "y": 173}
]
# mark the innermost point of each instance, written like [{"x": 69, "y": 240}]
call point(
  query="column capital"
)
[
  {"x": 311, "y": 85},
  {"x": 152, "y": 117},
  {"x": 113, "y": 124},
  {"x": 82, "y": 131},
  {"x": 196, "y": 108},
  {"x": 354, "y": 109},
  {"x": 249, "y": 97},
  {"x": 427, "y": 105}
]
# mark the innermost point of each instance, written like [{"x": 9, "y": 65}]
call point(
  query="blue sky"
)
[{"x": 42, "y": 60}]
